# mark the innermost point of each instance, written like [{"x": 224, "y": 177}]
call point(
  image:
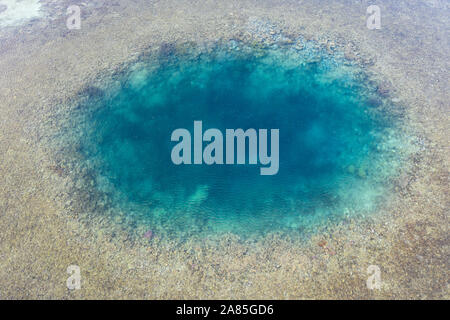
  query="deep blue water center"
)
[{"x": 329, "y": 142}]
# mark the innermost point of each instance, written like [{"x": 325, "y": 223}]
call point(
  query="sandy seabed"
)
[{"x": 43, "y": 225}]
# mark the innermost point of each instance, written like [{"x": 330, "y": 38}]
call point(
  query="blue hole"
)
[{"x": 332, "y": 141}]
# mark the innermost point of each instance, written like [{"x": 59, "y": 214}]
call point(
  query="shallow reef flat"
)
[{"x": 53, "y": 216}]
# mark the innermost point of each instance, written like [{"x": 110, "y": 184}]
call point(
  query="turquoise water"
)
[{"x": 332, "y": 141}]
